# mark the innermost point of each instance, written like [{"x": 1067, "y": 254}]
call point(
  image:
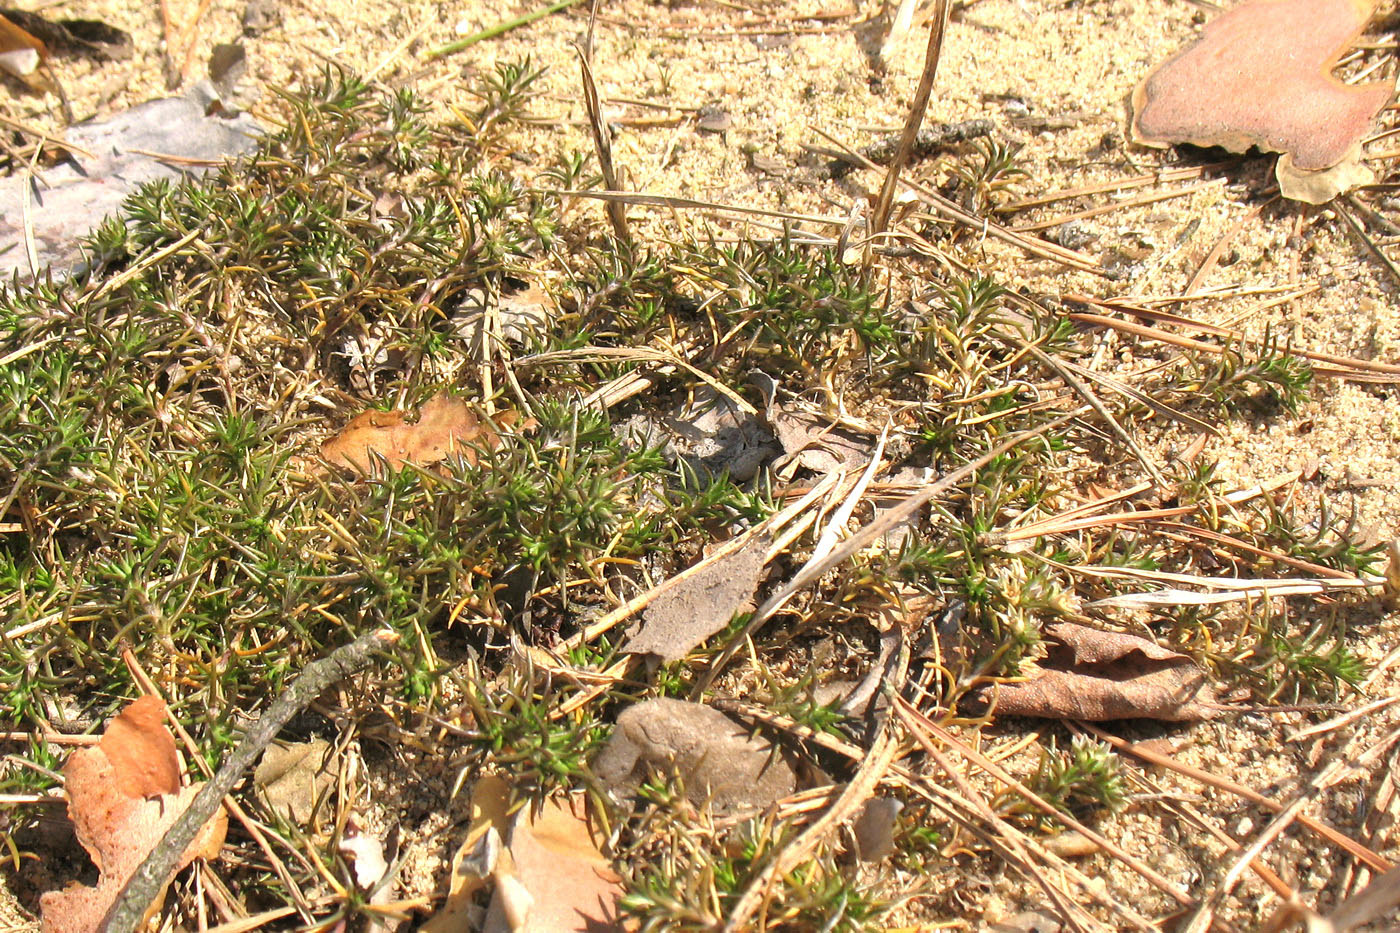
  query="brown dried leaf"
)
[
  {"x": 142, "y": 750},
  {"x": 1095, "y": 675},
  {"x": 294, "y": 776},
  {"x": 119, "y": 829},
  {"x": 721, "y": 763},
  {"x": 85, "y": 38},
  {"x": 476, "y": 858},
  {"x": 816, "y": 443},
  {"x": 558, "y": 880},
  {"x": 1260, "y": 75},
  {"x": 696, "y": 608},
  {"x": 445, "y": 425}
]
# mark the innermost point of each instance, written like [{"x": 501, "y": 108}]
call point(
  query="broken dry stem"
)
[
  {"x": 937, "y": 29},
  {"x": 126, "y": 915}
]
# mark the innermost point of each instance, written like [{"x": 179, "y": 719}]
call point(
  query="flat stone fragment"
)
[{"x": 716, "y": 758}]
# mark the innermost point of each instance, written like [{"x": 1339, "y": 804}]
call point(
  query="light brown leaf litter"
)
[
  {"x": 476, "y": 858},
  {"x": 293, "y": 776},
  {"x": 445, "y": 425},
  {"x": 1261, "y": 75},
  {"x": 720, "y": 762},
  {"x": 816, "y": 443},
  {"x": 122, "y": 797},
  {"x": 684, "y": 616},
  {"x": 1096, "y": 676},
  {"x": 554, "y": 877}
]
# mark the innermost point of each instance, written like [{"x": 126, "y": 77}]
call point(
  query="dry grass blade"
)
[
  {"x": 938, "y": 27},
  {"x": 1139, "y": 201},
  {"x": 1152, "y": 876},
  {"x": 1118, "y": 184},
  {"x": 602, "y": 139},
  {"x": 1340, "y": 366}
]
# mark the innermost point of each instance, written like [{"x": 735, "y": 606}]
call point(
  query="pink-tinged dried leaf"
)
[
  {"x": 118, "y": 829},
  {"x": 556, "y": 879},
  {"x": 142, "y": 750},
  {"x": 1094, "y": 675},
  {"x": 1260, "y": 75},
  {"x": 445, "y": 425}
]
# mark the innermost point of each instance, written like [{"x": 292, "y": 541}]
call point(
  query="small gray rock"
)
[{"x": 716, "y": 758}]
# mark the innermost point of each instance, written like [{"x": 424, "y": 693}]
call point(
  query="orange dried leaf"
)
[
  {"x": 20, "y": 52},
  {"x": 119, "y": 829},
  {"x": 445, "y": 425},
  {"x": 142, "y": 750},
  {"x": 557, "y": 879},
  {"x": 1260, "y": 75}
]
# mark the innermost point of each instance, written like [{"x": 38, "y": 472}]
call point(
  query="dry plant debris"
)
[
  {"x": 445, "y": 425},
  {"x": 553, "y": 877},
  {"x": 476, "y": 857},
  {"x": 149, "y": 423},
  {"x": 685, "y": 615},
  {"x": 1095, "y": 675},
  {"x": 720, "y": 763},
  {"x": 293, "y": 776},
  {"x": 123, "y": 795},
  {"x": 1260, "y": 75}
]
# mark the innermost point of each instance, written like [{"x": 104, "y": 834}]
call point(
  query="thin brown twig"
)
[
  {"x": 129, "y": 910},
  {"x": 1152, "y": 876},
  {"x": 1117, "y": 184},
  {"x": 1353, "y": 848},
  {"x": 1138, "y": 201}
]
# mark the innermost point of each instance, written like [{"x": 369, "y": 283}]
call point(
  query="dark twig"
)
[
  {"x": 126, "y": 914},
  {"x": 937, "y": 27}
]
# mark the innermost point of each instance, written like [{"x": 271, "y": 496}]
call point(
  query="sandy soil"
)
[{"x": 1053, "y": 75}]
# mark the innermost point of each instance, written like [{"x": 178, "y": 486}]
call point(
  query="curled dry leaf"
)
[
  {"x": 554, "y": 877},
  {"x": 116, "y": 826},
  {"x": 83, "y": 38},
  {"x": 1095, "y": 675},
  {"x": 816, "y": 443},
  {"x": 445, "y": 425},
  {"x": 1260, "y": 75},
  {"x": 702, "y": 604}
]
